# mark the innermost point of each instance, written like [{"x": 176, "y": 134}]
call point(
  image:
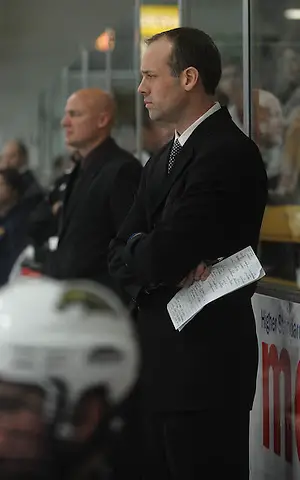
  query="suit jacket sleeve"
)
[
  {"x": 135, "y": 222},
  {"x": 199, "y": 225},
  {"x": 123, "y": 192}
]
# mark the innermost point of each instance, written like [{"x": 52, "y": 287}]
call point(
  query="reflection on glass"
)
[
  {"x": 276, "y": 129},
  {"x": 230, "y": 89}
]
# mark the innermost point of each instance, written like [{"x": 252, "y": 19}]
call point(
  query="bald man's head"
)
[{"x": 88, "y": 120}]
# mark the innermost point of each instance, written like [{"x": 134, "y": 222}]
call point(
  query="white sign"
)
[{"x": 275, "y": 419}]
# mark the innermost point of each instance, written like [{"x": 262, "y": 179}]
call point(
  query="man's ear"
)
[
  {"x": 189, "y": 78},
  {"x": 103, "y": 120}
]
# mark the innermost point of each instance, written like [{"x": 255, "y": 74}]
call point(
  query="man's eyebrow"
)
[{"x": 145, "y": 72}]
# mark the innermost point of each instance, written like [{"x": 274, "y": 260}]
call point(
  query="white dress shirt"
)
[{"x": 188, "y": 132}]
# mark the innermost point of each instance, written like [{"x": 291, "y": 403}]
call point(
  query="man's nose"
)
[
  {"x": 65, "y": 121},
  {"x": 142, "y": 87}
]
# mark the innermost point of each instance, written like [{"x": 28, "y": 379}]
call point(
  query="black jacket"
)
[
  {"x": 210, "y": 206},
  {"x": 98, "y": 196},
  {"x": 43, "y": 223},
  {"x": 13, "y": 238},
  {"x": 33, "y": 191}
]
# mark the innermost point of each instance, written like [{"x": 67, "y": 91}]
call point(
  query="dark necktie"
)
[{"x": 176, "y": 147}]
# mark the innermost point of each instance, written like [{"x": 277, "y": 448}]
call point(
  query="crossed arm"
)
[{"x": 173, "y": 252}]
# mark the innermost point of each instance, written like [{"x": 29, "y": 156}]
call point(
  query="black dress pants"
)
[{"x": 202, "y": 445}]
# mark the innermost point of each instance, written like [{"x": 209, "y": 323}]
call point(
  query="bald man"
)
[
  {"x": 99, "y": 192},
  {"x": 98, "y": 195}
]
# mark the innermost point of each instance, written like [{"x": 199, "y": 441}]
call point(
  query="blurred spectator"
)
[
  {"x": 288, "y": 90},
  {"x": 99, "y": 191},
  {"x": 289, "y": 179},
  {"x": 14, "y": 217},
  {"x": 231, "y": 87},
  {"x": 268, "y": 120},
  {"x": 45, "y": 219},
  {"x": 15, "y": 155},
  {"x": 280, "y": 158},
  {"x": 288, "y": 78},
  {"x": 99, "y": 194},
  {"x": 269, "y": 133}
]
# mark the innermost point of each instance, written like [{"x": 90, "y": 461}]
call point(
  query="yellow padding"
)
[{"x": 281, "y": 224}]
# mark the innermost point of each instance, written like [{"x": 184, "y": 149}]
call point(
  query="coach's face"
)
[{"x": 164, "y": 93}]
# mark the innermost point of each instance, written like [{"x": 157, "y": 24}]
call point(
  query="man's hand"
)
[{"x": 200, "y": 273}]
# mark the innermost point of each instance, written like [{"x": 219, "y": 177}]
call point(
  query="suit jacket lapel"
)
[
  {"x": 162, "y": 180},
  {"x": 159, "y": 172}
]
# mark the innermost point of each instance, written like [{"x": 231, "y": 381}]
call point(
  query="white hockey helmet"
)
[{"x": 77, "y": 333}]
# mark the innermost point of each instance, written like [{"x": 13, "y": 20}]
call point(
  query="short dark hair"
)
[
  {"x": 193, "y": 48},
  {"x": 13, "y": 179}
]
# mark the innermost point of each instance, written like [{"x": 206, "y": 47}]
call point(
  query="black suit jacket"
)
[
  {"x": 94, "y": 207},
  {"x": 210, "y": 206}
]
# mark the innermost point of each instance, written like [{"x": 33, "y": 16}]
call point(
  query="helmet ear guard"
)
[
  {"x": 66, "y": 416},
  {"x": 57, "y": 407}
]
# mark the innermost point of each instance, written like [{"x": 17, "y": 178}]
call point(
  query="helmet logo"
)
[{"x": 87, "y": 300}]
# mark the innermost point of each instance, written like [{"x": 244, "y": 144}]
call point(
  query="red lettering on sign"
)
[{"x": 279, "y": 364}]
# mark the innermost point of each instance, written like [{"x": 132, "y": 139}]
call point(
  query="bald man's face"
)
[{"x": 84, "y": 121}]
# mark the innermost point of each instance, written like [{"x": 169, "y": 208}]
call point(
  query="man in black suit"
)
[
  {"x": 201, "y": 197},
  {"x": 99, "y": 192}
]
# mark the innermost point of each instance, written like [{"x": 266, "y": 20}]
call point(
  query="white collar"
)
[{"x": 188, "y": 132}]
